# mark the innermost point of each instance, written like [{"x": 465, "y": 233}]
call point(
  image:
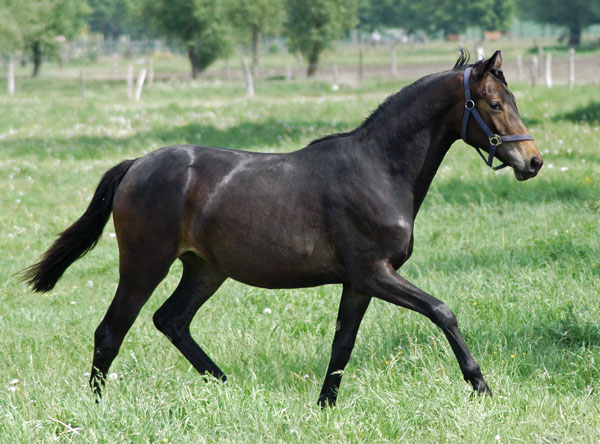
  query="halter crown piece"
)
[{"x": 494, "y": 139}]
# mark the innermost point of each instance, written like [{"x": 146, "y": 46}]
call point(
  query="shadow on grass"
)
[
  {"x": 531, "y": 121},
  {"x": 589, "y": 113}
]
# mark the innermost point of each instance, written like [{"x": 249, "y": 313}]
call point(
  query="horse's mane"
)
[{"x": 409, "y": 91}]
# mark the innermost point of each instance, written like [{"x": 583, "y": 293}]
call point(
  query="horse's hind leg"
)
[
  {"x": 352, "y": 309},
  {"x": 198, "y": 283},
  {"x": 137, "y": 281}
]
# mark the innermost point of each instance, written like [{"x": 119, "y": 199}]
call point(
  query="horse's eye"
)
[{"x": 496, "y": 106}]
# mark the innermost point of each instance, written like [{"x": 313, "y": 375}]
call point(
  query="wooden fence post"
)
[
  {"x": 130, "y": 81},
  {"x": 150, "y": 72},
  {"x": 361, "y": 67},
  {"x": 81, "y": 84},
  {"x": 140, "y": 84},
  {"x": 394, "y": 62},
  {"x": 533, "y": 70},
  {"x": 10, "y": 75},
  {"x": 248, "y": 77},
  {"x": 549, "y": 70},
  {"x": 520, "y": 67},
  {"x": 571, "y": 67}
]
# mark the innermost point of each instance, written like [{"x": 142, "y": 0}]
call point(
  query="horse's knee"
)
[{"x": 444, "y": 317}]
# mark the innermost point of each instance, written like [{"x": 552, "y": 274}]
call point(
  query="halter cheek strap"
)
[{"x": 494, "y": 139}]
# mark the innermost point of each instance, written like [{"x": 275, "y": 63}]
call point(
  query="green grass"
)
[{"x": 517, "y": 262}]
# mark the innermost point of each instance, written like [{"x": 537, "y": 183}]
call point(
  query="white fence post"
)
[
  {"x": 571, "y": 67},
  {"x": 520, "y": 67},
  {"x": 130, "y": 81},
  {"x": 334, "y": 85},
  {"x": 140, "y": 84},
  {"x": 288, "y": 72},
  {"x": 480, "y": 55},
  {"x": 10, "y": 75},
  {"x": 549, "y": 70},
  {"x": 249, "y": 80}
]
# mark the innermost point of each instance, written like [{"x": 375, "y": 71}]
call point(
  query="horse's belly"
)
[
  {"x": 272, "y": 252},
  {"x": 276, "y": 262}
]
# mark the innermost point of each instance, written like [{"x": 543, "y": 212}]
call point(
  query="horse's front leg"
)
[{"x": 384, "y": 283}]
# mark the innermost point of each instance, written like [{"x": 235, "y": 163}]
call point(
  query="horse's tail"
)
[{"x": 80, "y": 237}]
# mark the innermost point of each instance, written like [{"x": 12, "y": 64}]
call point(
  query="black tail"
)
[{"x": 80, "y": 237}]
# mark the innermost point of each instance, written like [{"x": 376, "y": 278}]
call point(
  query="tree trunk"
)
[
  {"x": 196, "y": 69},
  {"x": 36, "y": 48},
  {"x": 313, "y": 61},
  {"x": 575, "y": 34},
  {"x": 255, "y": 49}
]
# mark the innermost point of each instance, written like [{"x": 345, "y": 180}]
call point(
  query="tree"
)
[
  {"x": 253, "y": 18},
  {"x": 313, "y": 24},
  {"x": 576, "y": 15},
  {"x": 199, "y": 25},
  {"x": 44, "y": 23}
]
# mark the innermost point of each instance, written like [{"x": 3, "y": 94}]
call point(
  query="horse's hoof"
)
[{"x": 482, "y": 389}]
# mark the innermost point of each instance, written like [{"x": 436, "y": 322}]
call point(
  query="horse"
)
[{"x": 339, "y": 211}]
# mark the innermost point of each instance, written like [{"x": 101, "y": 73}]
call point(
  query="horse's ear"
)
[{"x": 494, "y": 62}]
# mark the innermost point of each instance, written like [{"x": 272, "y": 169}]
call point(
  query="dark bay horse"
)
[{"x": 340, "y": 210}]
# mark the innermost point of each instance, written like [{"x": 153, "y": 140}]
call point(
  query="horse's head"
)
[{"x": 502, "y": 132}]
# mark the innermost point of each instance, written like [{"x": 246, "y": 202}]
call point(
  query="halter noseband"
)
[{"x": 494, "y": 139}]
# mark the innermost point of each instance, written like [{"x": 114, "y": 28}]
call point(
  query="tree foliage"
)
[
  {"x": 313, "y": 24},
  {"x": 11, "y": 35},
  {"x": 576, "y": 15},
  {"x": 199, "y": 25},
  {"x": 449, "y": 16},
  {"x": 116, "y": 17}
]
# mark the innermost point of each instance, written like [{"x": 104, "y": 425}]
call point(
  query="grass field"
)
[{"x": 517, "y": 262}]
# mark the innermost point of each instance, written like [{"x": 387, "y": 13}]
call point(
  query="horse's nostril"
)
[{"x": 535, "y": 164}]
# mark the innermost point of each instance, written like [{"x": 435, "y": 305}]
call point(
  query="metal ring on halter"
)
[
  {"x": 495, "y": 140},
  {"x": 469, "y": 104}
]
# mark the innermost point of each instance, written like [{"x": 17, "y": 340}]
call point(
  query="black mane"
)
[
  {"x": 463, "y": 63},
  {"x": 463, "y": 60},
  {"x": 410, "y": 90}
]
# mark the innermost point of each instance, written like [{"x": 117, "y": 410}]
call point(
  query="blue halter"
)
[{"x": 494, "y": 139}]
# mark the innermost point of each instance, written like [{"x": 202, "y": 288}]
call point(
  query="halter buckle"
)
[
  {"x": 495, "y": 140},
  {"x": 469, "y": 104}
]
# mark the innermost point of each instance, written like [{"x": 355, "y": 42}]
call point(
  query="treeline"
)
[{"x": 209, "y": 29}]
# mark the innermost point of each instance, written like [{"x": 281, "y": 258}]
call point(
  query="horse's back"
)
[{"x": 259, "y": 218}]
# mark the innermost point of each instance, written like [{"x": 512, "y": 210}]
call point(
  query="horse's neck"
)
[{"x": 417, "y": 137}]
